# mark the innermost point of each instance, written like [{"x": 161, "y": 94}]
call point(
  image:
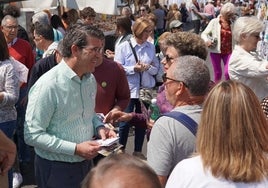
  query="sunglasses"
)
[
  {"x": 168, "y": 59},
  {"x": 142, "y": 10},
  {"x": 165, "y": 78}
]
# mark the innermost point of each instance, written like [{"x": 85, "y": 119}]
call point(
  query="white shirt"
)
[
  {"x": 190, "y": 173},
  {"x": 250, "y": 70},
  {"x": 51, "y": 49}
]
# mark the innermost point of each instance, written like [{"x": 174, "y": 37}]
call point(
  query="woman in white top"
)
[
  {"x": 245, "y": 65},
  {"x": 231, "y": 142}
]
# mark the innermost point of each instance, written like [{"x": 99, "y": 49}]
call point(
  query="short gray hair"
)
[
  {"x": 60, "y": 47},
  {"x": 246, "y": 25},
  {"x": 228, "y": 8},
  {"x": 194, "y": 72},
  {"x": 8, "y": 17}
]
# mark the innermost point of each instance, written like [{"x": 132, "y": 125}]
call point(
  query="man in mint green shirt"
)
[{"x": 60, "y": 118}]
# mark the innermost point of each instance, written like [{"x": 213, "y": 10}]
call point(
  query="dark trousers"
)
[
  {"x": 196, "y": 25},
  {"x": 134, "y": 105},
  {"x": 23, "y": 148},
  {"x": 55, "y": 174},
  {"x": 8, "y": 128}
]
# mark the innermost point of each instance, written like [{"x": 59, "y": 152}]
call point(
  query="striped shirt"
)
[{"x": 60, "y": 113}]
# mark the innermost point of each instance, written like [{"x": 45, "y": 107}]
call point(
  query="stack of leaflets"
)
[{"x": 109, "y": 146}]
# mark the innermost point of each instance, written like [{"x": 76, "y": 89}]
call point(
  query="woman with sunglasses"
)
[
  {"x": 144, "y": 11},
  {"x": 179, "y": 44}
]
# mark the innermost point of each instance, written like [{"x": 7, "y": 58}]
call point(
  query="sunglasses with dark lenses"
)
[
  {"x": 168, "y": 59},
  {"x": 142, "y": 10},
  {"x": 165, "y": 78}
]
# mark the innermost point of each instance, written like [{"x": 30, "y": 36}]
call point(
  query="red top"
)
[
  {"x": 226, "y": 36},
  {"x": 112, "y": 87},
  {"x": 22, "y": 51}
]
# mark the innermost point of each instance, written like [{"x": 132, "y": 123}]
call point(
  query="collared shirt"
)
[
  {"x": 9, "y": 85},
  {"x": 145, "y": 53},
  {"x": 51, "y": 49},
  {"x": 60, "y": 113}
]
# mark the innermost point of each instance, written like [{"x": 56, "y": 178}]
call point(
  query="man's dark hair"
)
[
  {"x": 77, "y": 35},
  {"x": 12, "y": 11},
  {"x": 45, "y": 30},
  {"x": 87, "y": 12}
]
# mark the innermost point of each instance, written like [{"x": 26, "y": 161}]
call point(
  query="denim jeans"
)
[
  {"x": 134, "y": 104},
  {"x": 9, "y": 128}
]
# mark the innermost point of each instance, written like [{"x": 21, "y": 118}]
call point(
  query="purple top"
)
[{"x": 162, "y": 101}]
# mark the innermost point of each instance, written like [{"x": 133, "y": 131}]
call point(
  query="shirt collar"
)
[{"x": 12, "y": 42}]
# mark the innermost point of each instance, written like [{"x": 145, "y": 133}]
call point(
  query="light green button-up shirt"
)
[{"x": 60, "y": 113}]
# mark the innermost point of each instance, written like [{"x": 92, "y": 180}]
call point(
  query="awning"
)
[
  {"x": 9, "y": 1},
  {"x": 100, "y": 6}
]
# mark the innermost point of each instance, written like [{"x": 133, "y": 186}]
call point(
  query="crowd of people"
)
[{"x": 60, "y": 77}]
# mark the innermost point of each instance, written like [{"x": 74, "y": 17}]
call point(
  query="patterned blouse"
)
[
  {"x": 9, "y": 86},
  {"x": 226, "y": 37}
]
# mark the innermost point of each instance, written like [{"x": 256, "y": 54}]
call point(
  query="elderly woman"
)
[
  {"x": 231, "y": 142},
  {"x": 245, "y": 66},
  {"x": 218, "y": 37},
  {"x": 138, "y": 58}
]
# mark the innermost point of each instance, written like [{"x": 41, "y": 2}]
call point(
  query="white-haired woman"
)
[
  {"x": 218, "y": 37},
  {"x": 245, "y": 65}
]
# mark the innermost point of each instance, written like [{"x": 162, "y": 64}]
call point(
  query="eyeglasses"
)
[
  {"x": 142, "y": 10},
  {"x": 94, "y": 49},
  {"x": 165, "y": 78},
  {"x": 37, "y": 38},
  {"x": 10, "y": 27},
  {"x": 168, "y": 59}
]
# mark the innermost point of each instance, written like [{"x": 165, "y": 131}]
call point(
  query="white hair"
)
[{"x": 246, "y": 25}]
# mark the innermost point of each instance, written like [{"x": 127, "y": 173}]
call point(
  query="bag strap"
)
[
  {"x": 133, "y": 50},
  {"x": 188, "y": 122},
  {"x": 135, "y": 55}
]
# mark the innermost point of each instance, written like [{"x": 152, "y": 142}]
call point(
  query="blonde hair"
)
[
  {"x": 232, "y": 136},
  {"x": 140, "y": 25},
  {"x": 174, "y": 6},
  {"x": 163, "y": 36}
]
